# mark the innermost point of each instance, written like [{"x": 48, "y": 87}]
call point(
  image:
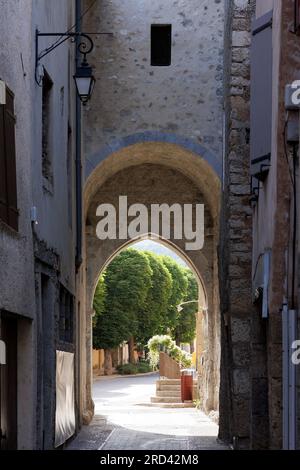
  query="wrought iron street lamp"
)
[{"x": 84, "y": 79}]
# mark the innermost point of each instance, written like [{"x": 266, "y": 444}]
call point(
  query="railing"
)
[{"x": 168, "y": 367}]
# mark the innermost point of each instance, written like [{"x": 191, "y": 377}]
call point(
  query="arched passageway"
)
[
  {"x": 154, "y": 173},
  {"x": 160, "y": 248}
]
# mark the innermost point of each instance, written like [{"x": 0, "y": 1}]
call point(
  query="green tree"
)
[
  {"x": 153, "y": 317},
  {"x": 99, "y": 305},
  {"x": 186, "y": 328},
  {"x": 179, "y": 290},
  {"x": 127, "y": 281}
]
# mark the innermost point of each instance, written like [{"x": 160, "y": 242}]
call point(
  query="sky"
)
[{"x": 159, "y": 249}]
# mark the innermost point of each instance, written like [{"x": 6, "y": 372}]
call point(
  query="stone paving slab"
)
[
  {"x": 121, "y": 439},
  {"x": 123, "y": 423},
  {"x": 91, "y": 437},
  {"x": 100, "y": 435}
]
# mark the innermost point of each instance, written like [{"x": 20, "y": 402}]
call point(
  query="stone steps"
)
[
  {"x": 165, "y": 399},
  {"x": 187, "y": 404},
  {"x": 169, "y": 393},
  {"x": 167, "y": 388},
  {"x": 169, "y": 382}
]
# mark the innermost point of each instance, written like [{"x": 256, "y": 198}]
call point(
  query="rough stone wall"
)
[
  {"x": 148, "y": 186},
  {"x": 183, "y": 100},
  {"x": 191, "y": 173},
  {"x": 54, "y": 235},
  {"x": 19, "y": 283},
  {"x": 16, "y": 248},
  {"x": 288, "y": 71},
  {"x": 17, "y": 293},
  {"x": 236, "y": 238},
  {"x": 272, "y": 228},
  {"x": 281, "y": 271},
  {"x": 260, "y": 396},
  {"x": 186, "y": 99},
  {"x": 55, "y": 213},
  {"x": 131, "y": 96}
]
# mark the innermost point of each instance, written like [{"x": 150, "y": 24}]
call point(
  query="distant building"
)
[{"x": 275, "y": 63}]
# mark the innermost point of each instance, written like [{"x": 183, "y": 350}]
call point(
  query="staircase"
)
[{"x": 168, "y": 395}]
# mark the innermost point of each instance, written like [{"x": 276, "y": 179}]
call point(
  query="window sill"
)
[{"x": 9, "y": 230}]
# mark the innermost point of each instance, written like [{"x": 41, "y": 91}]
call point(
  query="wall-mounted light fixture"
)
[
  {"x": 84, "y": 81},
  {"x": 83, "y": 77}
]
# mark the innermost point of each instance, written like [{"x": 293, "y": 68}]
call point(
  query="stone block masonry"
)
[
  {"x": 236, "y": 230},
  {"x": 131, "y": 96}
]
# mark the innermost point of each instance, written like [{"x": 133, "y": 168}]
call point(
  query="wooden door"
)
[{"x": 8, "y": 385}]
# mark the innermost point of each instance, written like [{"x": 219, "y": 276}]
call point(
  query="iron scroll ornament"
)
[{"x": 85, "y": 46}]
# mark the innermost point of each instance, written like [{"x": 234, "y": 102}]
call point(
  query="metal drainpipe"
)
[{"x": 78, "y": 260}]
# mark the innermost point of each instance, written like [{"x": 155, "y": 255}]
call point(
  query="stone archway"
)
[
  {"x": 154, "y": 172},
  {"x": 171, "y": 246},
  {"x": 202, "y": 320}
]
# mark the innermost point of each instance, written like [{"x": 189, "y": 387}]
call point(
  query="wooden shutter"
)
[
  {"x": 261, "y": 95},
  {"x": 8, "y": 183},
  {"x": 297, "y": 17},
  {"x": 3, "y": 186},
  {"x": 11, "y": 161}
]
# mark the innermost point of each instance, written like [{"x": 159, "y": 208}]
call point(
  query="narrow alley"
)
[
  {"x": 149, "y": 221},
  {"x": 124, "y": 420}
]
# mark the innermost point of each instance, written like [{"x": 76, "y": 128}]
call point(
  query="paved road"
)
[{"x": 125, "y": 421}]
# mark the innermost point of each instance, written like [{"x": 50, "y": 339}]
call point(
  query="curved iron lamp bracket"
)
[{"x": 84, "y": 44}]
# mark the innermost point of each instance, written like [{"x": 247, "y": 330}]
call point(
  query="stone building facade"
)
[
  {"x": 132, "y": 132},
  {"x": 37, "y": 247},
  {"x": 260, "y": 260},
  {"x": 16, "y": 246},
  {"x": 236, "y": 236},
  {"x": 175, "y": 99},
  {"x": 275, "y": 238},
  {"x": 155, "y": 133},
  {"x": 182, "y": 129}
]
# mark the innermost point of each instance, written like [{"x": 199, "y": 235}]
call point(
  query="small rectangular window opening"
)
[
  {"x": 161, "y": 43},
  {"x": 297, "y": 17},
  {"x": 46, "y": 128},
  {"x": 66, "y": 316}
]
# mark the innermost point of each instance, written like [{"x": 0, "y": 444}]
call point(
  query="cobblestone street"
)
[{"x": 125, "y": 421}]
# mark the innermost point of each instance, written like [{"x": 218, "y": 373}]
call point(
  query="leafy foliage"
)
[
  {"x": 186, "y": 327},
  {"x": 127, "y": 280},
  {"x": 179, "y": 291},
  {"x": 132, "y": 369},
  {"x": 165, "y": 343},
  {"x": 99, "y": 299},
  {"x": 137, "y": 296},
  {"x": 152, "y": 317}
]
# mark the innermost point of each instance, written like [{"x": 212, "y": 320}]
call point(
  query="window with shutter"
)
[
  {"x": 66, "y": 312},
  {"x": 261, "y": 95},
  {"x": 8, "y": 183},
  {"x": 3, "y": 187},
  {"x": 47, "y": 129},
  {"x": 297, "y": 17}
]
